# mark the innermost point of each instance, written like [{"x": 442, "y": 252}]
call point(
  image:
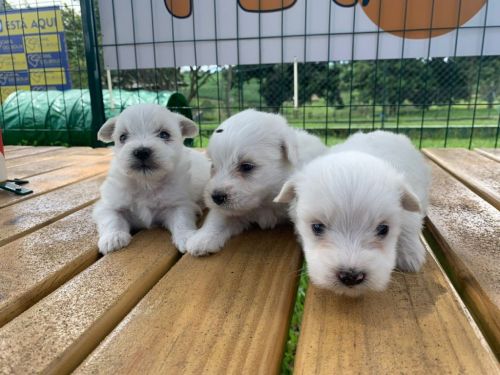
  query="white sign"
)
[{"x": 166, "y": 33}]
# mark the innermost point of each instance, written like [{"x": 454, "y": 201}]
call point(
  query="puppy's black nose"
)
[
  {"x": 142, "y": 153},
  {"x": 219, "y": 197},
  {"x": 351, "y": 277}
]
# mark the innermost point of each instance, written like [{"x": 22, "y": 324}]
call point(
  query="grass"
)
[
  {"x": 489, "y": 142},
  {"x": 294, "y": 329}
]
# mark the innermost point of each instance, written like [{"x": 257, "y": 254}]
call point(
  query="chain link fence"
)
[{"x": 439, "y": 102}]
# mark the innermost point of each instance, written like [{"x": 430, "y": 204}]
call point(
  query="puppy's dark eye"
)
[
  {"x": 123, "y": 137},
  {"x": 246, "y": 167},
  {"x": 164, "y": 135},
  {"x": 318, "y": 229},
  {"x": 382, "y": 230}
]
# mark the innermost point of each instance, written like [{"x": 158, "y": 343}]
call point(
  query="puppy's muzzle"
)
[
  {"x": 351, "y": 277},
  {"x": 142, "y": 153},
  {"x": 219, "y": 197}
]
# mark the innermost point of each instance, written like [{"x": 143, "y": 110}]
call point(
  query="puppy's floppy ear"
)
[
  {"x": 105, "y": 133},
  {"x": 287, "y": 192},
  {"x": 189, "y": 129},
  {"x": 409, "y": 200},
  {"x": 290, "y": 148}
]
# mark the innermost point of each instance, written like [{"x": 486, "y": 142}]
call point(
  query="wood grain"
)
[
  {"x": 227, "y": 313},
  {"x": 51, "y": 181},
  {"x": 15, "y": 147},
  {"x": 480, "y": 174},
  {"x": 492, "y": 153},
  {"x": 45, "y": 259},
  {"x": 23, "y": 152},
  {"x": 27, "y": 216},
  {"x": 35, "y": 166},
  {"x": 56, "y": 334},
  {"x": 467, "y": 230},
  {"x": 417, "y": 326},
  {"x": 58, "y": 154}
]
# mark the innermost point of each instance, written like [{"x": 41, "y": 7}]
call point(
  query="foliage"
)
[
  {"x": 276, "y": 82},
  {"x": 73, "y": 32}
]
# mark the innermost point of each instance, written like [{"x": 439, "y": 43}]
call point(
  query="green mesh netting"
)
[{"x": 65, "y": 117}]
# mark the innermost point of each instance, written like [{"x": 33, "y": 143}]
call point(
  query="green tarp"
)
[{"x": 64, "y": 117}]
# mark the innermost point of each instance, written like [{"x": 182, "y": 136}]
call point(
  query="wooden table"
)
[{"x": 147, "y": 309}]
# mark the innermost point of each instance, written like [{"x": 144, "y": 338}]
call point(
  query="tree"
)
[
  {"x": 321, "y": 79},
  {"x": 421, "y": 82},
  {"x": 198, "y": 76},
  {"x": 4, "y": 5},
  {"x": 73, "y": 33}
]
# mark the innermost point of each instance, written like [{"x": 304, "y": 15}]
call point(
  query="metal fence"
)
[{"x": 451, "y": 101}]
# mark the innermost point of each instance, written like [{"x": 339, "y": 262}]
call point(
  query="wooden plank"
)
[
  {"x": 56, "y": 334},
  {"x": 480, "y": 174},
  {"x": 12, "y": 147},
  {"x": 227, "y": 313},
  {"x": 35, "y": 265},
  {"x": 58, "y": 155},
  {"x": 47, "y": 182},
  {"x": 38, "y": 167},
  {"x": 27, "y": 216},
  {"x": 417, "y": 326},
  {"x": 20, "y": 153},
  {"x": 492, "y": 153},
  {"x": 467, "y": 230}
]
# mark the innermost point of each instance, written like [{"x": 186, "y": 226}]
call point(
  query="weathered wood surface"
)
[
  {"x": 12, "y": 148},
  {"x": 492, "y": 153},
  {"x": 227, "y": 313},
  {"x": 38, "y": 263},
  {"x": 50, "y": 181},
  {"x": 34, "y": 165},
  {"x": 416, "y": 327},
  {"x": 467, "y": 230},
  {"x": 57, "y": 333},
  {"x": 19, "y": 153},
  {"x": 24, "y": 217},
  {"x": 479, "y": 173},
  {"x": 59, "y": 154}
]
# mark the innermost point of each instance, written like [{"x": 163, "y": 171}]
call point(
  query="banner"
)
[
  {"x": 167, "y": 33},
  {"x": 33, "y": 52}
]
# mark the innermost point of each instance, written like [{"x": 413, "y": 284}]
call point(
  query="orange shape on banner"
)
[
  {"x": 419, "y": 13},
  {"x": 266, "y": 5},
  {"x": 179, "y": 8}
]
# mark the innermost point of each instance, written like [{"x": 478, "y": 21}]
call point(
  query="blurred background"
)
[{"x": 46, "y": 98}]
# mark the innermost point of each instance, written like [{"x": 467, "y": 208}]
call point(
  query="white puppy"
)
[
  {"x": 253, "y": 153},
  {"x": 153, "y": 179},
  {"x": 359, "y": 210}
]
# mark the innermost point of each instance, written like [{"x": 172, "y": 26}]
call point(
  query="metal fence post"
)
[{"x": 93, "y": 67}]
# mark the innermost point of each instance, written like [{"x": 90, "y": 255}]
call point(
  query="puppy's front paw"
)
[
  {"x": 109, "y": 242},
  {"x": 267, "y": 221},
  {"x": 180, "y": 239},
  {"x": 203, "y": 243},
  {"x": 411, "y": 259}
]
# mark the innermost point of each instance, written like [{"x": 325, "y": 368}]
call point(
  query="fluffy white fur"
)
[
  {"x": 275, "y": 150},
  {"x": 370, "y": 180},
  {"x": 165, "y": 190}
]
